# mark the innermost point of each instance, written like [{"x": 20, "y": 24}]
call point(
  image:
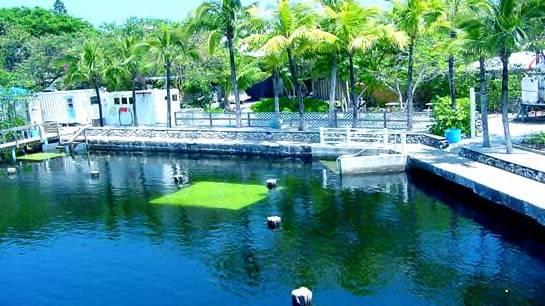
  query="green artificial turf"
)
[
  {"x": 40, "y": 156},
  {"x": 216, "y": 195}
]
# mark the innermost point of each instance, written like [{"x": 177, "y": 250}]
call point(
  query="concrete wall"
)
[
  {"x": 208, "y": 134},
  {"x": 486, "y": 159}
]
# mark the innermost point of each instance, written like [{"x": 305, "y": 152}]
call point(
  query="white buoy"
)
[
  {"x": 12, "y": 171},
  {"x": 301, "y": 297},
  {"x": 271, "y": 183},
  {"x": 95, "y": 174},
  {"x": 274, "y": 222}
]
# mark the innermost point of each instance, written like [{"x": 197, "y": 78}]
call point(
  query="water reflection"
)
[{"x": 375, "y": 239}]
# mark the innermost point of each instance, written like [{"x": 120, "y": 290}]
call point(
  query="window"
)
[
  {"x": 174, "y": 98},
  {"x": 124, "y": 101},
  {"x": 116, "y": 100},
  {"x": 131, "y": 100}
]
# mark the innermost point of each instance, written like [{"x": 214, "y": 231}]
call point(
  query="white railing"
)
[{"x": 386, "y": 139}]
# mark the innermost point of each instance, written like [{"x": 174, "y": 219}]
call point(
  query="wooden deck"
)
[{"x": 28, "y": 135}]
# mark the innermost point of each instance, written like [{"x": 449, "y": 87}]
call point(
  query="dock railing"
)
[
  {"x": 22, "y": 135},
  {"x": 376, "y": 138}
]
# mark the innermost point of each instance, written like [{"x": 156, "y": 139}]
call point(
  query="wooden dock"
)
[{"x": 28, "y": 135}]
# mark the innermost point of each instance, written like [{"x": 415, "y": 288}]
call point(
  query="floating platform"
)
[{"x": 372, "y": 161}]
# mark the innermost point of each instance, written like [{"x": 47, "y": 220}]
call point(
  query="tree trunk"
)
[
  {"x": 135, "y": 117},
  {"x": 332, "y": 93},
  {"x": 169, "y": 115},
  {"x": 451, "y": 76},
  {"x": 297, "y": 85},
  {"x": 232, "y": 63},
  {"x": 353, "y": 97},
  {"x": 97, "y": 90},
  {"x": 505, "y": 101},
  {"x": 409, "y": 103},
  {"x": 484, "y": 102},
  {"x": 276, "y": 85}
]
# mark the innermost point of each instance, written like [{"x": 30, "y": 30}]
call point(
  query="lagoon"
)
[{"x": 399, "y": 239}]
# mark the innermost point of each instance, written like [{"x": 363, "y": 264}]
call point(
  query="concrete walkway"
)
[{"x": 523, "y": 195}]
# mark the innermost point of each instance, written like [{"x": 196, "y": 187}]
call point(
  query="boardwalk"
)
[{"x": 28, "y": 135}]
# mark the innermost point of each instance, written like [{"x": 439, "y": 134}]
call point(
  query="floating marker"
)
[
  {"x": 301, "y": 297},
  {"x": 95, "y": 174},
  {"x": 12, "y": 171},
  {"x": 271, "y": 184},
  {"x": 274, "y": 222}
]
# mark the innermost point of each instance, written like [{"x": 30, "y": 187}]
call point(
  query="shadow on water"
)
[{"x": 512, "y": 226}]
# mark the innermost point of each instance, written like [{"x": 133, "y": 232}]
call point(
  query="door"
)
[{"x": 71, "y": 111}]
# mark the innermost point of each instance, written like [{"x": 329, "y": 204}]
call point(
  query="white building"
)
[
  {"x": 66, "y": 107},
  {"x": 74, "y": 107}
]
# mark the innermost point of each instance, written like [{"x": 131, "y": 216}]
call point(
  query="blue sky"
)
[{"x": 100, "y": 11}]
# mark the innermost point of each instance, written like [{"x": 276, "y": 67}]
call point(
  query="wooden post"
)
[
  {"x": 385, "y": 119},
  {"x": 249, "y": 124},
  {"x": 322, "y": 135},
  {"x": 336, "y": 122},
  {"x": 13, "y": 155},
  {"x": 58, "y": 132},
  {"x": 472, "y": 110},
  {"x": 403, "y": 142}
]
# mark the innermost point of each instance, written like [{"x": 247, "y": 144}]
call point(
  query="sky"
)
[{"x": 101, "y": 11}]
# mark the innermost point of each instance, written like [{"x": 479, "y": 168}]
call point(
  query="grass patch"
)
[
  {"x": 40, "y": 156},
  {"x": 216, "y": 195}
]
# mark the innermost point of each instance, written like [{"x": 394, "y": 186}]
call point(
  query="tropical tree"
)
[
  {"x": 219, "y": 18},
  {"x": 59, "y": 8},
  {"x": 357, "y": 30},
  {"x": 128, "y": 54},
  {"x": 88, "y": 65},
  {"x": 414, "y": 17},
  {"x": 166, "y": 46},
  {"x": 291, "y": 29},
  {"x": 507, "y": 24},
  {"x": 476, "y": 41}
]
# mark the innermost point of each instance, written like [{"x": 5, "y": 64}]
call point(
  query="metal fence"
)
[{"x": 379, "y": 120}]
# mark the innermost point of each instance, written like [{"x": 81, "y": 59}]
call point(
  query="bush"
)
[
  {"x": 535, "y": 139},
  {"x": 290, "y": 105},
  {"x": 446, "y": 117}
]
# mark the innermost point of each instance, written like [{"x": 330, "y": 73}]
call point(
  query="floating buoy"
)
[
  {"x": 12, "y": 171},
  {"x": 301, "y": 297},
  {"x": 274, "y": 222},
  {"x": 271, "y": 183},
  {"x": 95, "y": 174}
]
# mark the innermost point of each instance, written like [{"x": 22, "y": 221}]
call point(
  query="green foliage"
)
[
  {"x": 446, "y": 117},
  {"x": 59, "y": 8},
  {"x": 535, "y": 139},
  {"x": 290, "y": 105},
  {"x": 38, "y": 21}
]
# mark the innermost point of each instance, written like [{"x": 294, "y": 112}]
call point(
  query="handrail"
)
[{"x": 352, "y": 136}]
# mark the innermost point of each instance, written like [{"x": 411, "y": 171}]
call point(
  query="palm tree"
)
[
  {"x": 220, "y": 17},
  {"x": 291, "y": 28},
  {"x": 128, "y": 53},
  {"x": 414, "y": 17},
  {"x": 507, "y": 25},
  {"x": 168, "y": 45},
  {"x": 357, "y": 30},
  {"x": 88, "y": 65},
  {"x": 475, "y": 40}
]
